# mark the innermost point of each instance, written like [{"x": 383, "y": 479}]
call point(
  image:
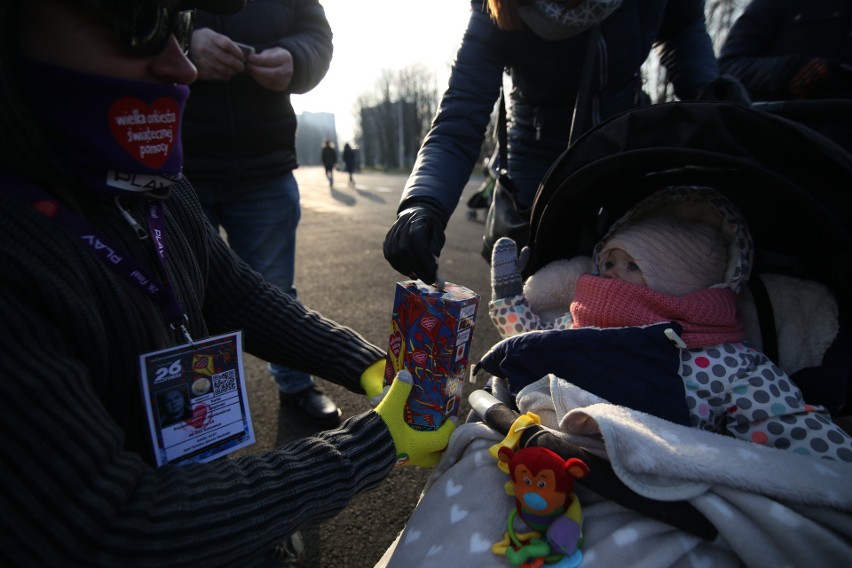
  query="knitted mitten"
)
[{"x": 506, "y": 266}]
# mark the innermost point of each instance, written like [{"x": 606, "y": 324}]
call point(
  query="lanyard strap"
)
[{"x": 115, "y": 259}]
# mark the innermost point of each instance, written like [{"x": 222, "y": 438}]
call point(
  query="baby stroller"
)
[{"x": 661, "y": 494}]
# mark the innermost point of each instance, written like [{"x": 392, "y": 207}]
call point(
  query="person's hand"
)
[
  {"x": 215, "y": 56},
  {"x": 839, "y": 80},
  {"x": 373, "y": 382},
  {"x": 818, "y": 77},
  {"x": 506, "y": 267},
  {"x": 271, "y": 68},
  {"x": 413, "y": 447},
  {"x": 414, "y": 242}
]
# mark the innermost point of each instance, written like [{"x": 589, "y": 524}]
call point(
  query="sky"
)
[{"x": 373, "y": 35}]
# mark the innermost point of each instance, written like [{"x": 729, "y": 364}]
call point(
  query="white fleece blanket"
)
[{"x": 771, "y": 507}]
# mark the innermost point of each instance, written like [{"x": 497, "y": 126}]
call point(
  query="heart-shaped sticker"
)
[
  {"x": 420, "y": 358},
  {"x": 147, "y": 133},
  {"x": 395, "y": 343},
  {"x": 396, "y": 347},
  {"x": 429, "y": 322}
]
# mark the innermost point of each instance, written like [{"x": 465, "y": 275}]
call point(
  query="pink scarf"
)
[{"x": 708, "y": 317}]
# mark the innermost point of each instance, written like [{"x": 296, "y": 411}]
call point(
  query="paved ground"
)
[{"x": 341, "y": 273}]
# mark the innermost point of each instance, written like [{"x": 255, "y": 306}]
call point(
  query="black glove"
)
[
  {"x": 415, "y": 240},
  {"x": 812, "y": 79},
  {"x": 822, "y": 77},
  {"x": 724, "y": 88}
]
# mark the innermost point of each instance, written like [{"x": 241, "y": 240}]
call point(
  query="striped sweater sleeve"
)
[
  {"x": 78, "y": 485},
  {"x": 73, "y": 495},
  {"x": 236, "y": 297}
]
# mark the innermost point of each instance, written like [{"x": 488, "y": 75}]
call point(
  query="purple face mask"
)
[{"x": 118, "y": 135}]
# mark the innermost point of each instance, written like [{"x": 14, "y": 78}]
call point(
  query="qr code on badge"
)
[{"x": 224, "y": 382}]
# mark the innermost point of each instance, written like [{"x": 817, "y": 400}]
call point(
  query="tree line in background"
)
[{"x": 393, "y": 118}]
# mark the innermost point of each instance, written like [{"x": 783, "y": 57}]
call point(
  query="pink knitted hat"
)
[{"x": 675, "y": 257}]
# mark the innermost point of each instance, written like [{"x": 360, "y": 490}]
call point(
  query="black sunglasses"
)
[{"x": 145, "y": 28}]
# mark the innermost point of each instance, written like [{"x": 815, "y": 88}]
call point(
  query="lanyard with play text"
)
[{"x": 121, "y": 264}]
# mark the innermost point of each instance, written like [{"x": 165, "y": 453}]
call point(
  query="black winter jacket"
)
[
  {"x": 775, "y": 39},
  {"x": 237, "y": 129},
  {"x": 545, "y": 77}
]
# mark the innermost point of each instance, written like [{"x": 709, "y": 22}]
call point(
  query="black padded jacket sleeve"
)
[
  {"x": 310, "y": 43},
  {"x": 450, "y": 149}
]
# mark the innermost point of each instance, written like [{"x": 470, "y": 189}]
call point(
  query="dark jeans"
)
[{"x": 260, "y": 218}]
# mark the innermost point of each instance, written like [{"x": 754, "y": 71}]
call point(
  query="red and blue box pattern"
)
[{"x": 431, "y": 334}]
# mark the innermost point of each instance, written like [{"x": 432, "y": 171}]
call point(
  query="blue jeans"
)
[{"x": 261, "y": 217}]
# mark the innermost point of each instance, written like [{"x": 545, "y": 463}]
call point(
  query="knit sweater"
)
[{"x": 79, "y": 487}]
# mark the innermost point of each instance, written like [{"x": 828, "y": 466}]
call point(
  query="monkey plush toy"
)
[{"x": 543, "y": 486}]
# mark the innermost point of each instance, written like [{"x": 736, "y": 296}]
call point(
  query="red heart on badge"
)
[
  {"x": 47, "y": 207},
  {"x": 199, "y": 415},
  {"x": 147, "y": 133}
]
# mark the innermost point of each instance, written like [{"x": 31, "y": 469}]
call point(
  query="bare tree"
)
[
  {"x": 720, "y": 16},
  {"x": 394, "y": 117},
  {"x": 417, "y": 85}
]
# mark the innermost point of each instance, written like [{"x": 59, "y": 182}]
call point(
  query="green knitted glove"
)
[
  {"x": 506, "y": 268},
  {"x": 413, "y": 447},
  {"x": 373, "y": 382}
]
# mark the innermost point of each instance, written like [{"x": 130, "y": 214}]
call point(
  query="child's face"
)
[{"x": 618, "y": 264}]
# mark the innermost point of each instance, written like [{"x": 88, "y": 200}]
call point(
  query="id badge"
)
[{"x": 196, "y": 400}]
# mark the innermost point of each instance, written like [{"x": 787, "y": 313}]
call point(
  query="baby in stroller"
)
[
  {"x": 770, "y": 505},
  {"x": 681, "y": 255}
]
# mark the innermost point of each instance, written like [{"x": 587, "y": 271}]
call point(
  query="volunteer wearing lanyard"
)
[{"x": 115, "y": 289}]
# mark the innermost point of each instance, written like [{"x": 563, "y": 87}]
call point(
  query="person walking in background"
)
[
  {"x": 329, "y": 160},
  {"x": 796, "y": 50},
  {"x": 239, "y": 136},
  {"x": 74, "y": 432},
  {"x": 349, "y": 162},
  {"x": 543, "y": 45}
]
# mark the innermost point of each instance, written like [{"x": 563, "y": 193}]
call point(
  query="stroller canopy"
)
[{"x": 793, "y": 184}]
